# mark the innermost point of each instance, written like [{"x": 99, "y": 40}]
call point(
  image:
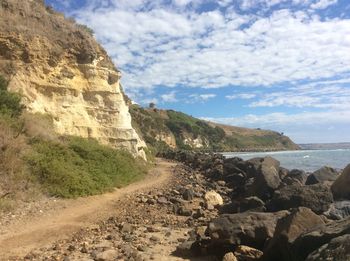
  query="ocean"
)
[{"x": 308, "y": 160}]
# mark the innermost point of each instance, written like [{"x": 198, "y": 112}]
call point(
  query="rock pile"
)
[
  {"x": 282, "y": 214},
  {"x": 223, "y": 209}
]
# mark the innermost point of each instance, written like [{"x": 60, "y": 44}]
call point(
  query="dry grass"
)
[{"x": 16, "y": 181}]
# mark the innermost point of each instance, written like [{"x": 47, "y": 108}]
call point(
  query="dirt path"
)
[{"x": 59, "y": 224}]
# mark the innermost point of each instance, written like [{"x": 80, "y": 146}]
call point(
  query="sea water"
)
[{"x": 308, "y": 160}]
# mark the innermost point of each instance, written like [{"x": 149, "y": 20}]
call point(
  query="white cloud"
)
[
  {"x": 302, "y": 127},
  {"x": 300, "y": 119},
  {"x": 244, "y": 96},
  {"x": 323, "y": 4},
  {"x": 315, "y": 95},
  {"x": 200, "y": 97},
  {"x": 164, "y": 47},
  {"x": 169, "y": 97}
]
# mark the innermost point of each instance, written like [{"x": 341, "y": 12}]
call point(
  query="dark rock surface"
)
[
  {"x": 316, "y": 197},
  {"x": 315, "y": 238},
  {"x": 338, "y": 249},
  {"x": 238, "y": 206},
  {"x": 250, "y": 228},
  {"x": 341, "y": 186},
  {"x": 323, "y": 175},
  {"x": 266, "y": 178},
  {"x": 287, "y": 230}
]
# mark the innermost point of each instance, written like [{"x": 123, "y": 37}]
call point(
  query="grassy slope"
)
[
  {"x": 150, "y": 122},
  {"x": 34, "y": 160}
]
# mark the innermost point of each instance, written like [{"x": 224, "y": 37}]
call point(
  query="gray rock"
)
[
  {"x": 287, "y": 230},
  {"x": 298, "y": 175},
  {"x": 338, "y": 249},
  {"x": 162, "y": 200},
  {"x": 341, "y": 186},
  {"x": 323, "y": 175},
  {"x": 188, "y": 194},
  {"x": 316, "y": 197},
  {"x": 267, "y": 179},
  {"x": 250, "y": 228},
  {"x": 308, "y": 242},
  {"x": 251, "y": 203}
]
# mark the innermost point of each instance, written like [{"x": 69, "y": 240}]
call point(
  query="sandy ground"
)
[{"x": 69, "y": 216}]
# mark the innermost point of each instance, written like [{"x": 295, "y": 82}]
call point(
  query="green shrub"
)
[
  {"x": 81, "y": 167},
  {"x": 10, "y": 103}
]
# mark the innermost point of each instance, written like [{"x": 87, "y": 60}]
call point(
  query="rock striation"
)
[{"x": 61, "y": 70}]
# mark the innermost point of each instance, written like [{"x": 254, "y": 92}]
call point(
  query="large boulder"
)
[
  {"x": 323, "y": 175},
  {"x": 295, "y": 176},
  {"x": 338, "y": 249},
  {"x": 308, "y": 242},
  {"x": 316, "y": 197},
  {"x": 287, "y": 230},
  {"x": 266, "y": 179},
  {"x": 341, "y": 186},
  {"x": 250, "y": 228}
]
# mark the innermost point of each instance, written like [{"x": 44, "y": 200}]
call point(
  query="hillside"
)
[
  {"x": 167, "y": 128},
  {"x": 65, "y": 127},
  {"x": 59, "y": 69}
]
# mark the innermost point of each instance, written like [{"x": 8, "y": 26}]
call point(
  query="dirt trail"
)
[{"x": 39, "y": 232}]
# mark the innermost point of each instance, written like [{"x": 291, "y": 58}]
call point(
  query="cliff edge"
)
[{"x": 60, "y": 69}]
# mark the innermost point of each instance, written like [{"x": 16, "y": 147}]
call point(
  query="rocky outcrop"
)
[
  {"x": 316, "y": 197},
  {"x": 61, "y": 70},
  {"x": 309, "y": 242},
  {"x": 338, "y": 249},
  {"x": 323, "y": 175},
  {"x": 341, "y": 186},
  {"x": 266, "y": 178},
  {"x": 287, "y": 230},
  {"x": 250, "y": 228}
]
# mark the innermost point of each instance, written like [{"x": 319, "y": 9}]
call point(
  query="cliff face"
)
[{"x": 61, "y": 70}]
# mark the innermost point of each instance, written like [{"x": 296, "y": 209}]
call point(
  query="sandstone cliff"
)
[{"x": 61, "y": 70}]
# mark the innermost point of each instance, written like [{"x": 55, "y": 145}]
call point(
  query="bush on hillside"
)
[
  {"x": 81, "y": 167},
  {"x": 10, "y": 103}
]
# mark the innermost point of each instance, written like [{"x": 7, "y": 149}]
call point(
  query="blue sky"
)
[{"x": 275, "y": 64}]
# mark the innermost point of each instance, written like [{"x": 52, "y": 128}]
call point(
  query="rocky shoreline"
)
[{"x": 223, "y": 209}]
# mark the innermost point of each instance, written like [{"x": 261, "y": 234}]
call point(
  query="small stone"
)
[
  {"x": 162, "y": 200},
  {"x": 71, "y": 248},
  {"x": 188, "y": 194},
  {"x": 154, "y": 238},
  {"x": 248, "y": 253},
  {"x": 142, "y": 248},
  {"x": 109, "y": 237},
  {"x": 229, "y": 257},
  {"x": 127, "y": 228},
  {"x": 107, "y": 255}
]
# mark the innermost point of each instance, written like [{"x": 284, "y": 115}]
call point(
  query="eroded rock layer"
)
[{"x": 60, "y": 69}]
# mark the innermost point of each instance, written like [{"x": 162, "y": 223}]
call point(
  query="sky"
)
[{"x": 272, "y": 64}]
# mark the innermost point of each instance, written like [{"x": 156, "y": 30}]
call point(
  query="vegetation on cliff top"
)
[
  {"x": 35, "y": 160},
  {"x": 194, "y": 134}
]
